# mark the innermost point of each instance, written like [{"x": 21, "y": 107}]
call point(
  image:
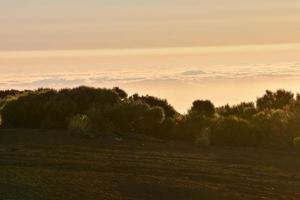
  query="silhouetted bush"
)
[
  {"x": 156, "y": 102},
  {"x": 202, "y": 107},
  {"x": 168, "y": 129},
  {"x": 136, "y": 117},
  {"x": 91, "y": 111},
  {"x": 275, "y": 100},
  {"x": 45, "y": 108},
  {"x": 199, "y": 117},
  {"x": 191, "y": 126},
  {"x": 242, "y": 110},
  {"x": 27, "y": 111},
  {"x": 7, "y": 93}
]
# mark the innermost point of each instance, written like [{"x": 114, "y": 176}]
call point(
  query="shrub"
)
[
  {"x": 275, "y": 100},
  {"x": 46, "y": 108},
  {"x": 7, "y": 93},
  {"x": 192, "y": 125},
  {"x": 58, "y": 111},
  {"x": 26, "y": 111},
  {"x": 100, "y": 118},
  {"x": 273, "y": 127},
  {"x": 135, "y": 117},
  {"x": 156, "y": 102},
  {"x": 242, "y": 110},
  {"x": 203, "y": 107},
  {"x": 167, "y": 129},
  {"x": 233, "y": 131},
  {"x": 81, "y": 124}
]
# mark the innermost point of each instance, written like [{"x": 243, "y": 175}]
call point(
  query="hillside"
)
[{"x": 52, "y": 165}]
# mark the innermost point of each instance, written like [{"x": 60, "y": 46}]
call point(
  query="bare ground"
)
[{"x": 55, "y": 165}]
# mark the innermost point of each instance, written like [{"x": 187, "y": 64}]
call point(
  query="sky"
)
[
  {"x": 225, "y": 50},
  {"x": 94, "y": 24}
]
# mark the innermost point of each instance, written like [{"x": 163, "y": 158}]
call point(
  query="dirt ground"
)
[{"x": 55, "y": 165}]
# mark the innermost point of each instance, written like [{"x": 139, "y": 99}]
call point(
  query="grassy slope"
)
[{"x": 53, "y": 165}]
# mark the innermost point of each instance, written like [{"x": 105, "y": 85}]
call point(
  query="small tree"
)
[
  {"x": 275, "y": 100},
  {"x": 203, "y": 107}
]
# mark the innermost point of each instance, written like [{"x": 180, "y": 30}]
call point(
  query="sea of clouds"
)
[{"x": 121, "y": 76}]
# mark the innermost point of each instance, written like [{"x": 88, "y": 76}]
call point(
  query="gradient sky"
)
[
  {"x": 89, "y": 24},
  {"x": 228, "y": 50}
]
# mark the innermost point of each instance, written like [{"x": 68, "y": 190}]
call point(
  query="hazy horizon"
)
[{"x": 226, "y": 51}]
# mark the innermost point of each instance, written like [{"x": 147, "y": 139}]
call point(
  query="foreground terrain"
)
[{"x": 54, "y": 165}]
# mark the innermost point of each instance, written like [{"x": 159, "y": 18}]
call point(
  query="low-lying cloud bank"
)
[{"x": 107, "y": 78}]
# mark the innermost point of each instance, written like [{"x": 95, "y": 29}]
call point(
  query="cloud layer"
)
[{"x": 123, "y": 76}]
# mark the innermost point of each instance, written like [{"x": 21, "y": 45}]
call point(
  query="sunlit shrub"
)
[{"x": 81, "y": 124}]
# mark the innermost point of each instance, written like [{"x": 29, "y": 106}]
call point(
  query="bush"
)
[
  {"x": 192, "y": 125},
  {"x": 46, "y": 108},
  {"x": 242, "y": 110},
  {"x": 168, "y": 129},
  {"x": 275, "y": 120},
  {"x": 156, "y": 102},
  {"x": 135, "y": 117},
  {"x": 81, "y": 124},
  {"x": 27, "y": 111},
  {"x": 7, "y": 93},
  {"x": 233, "y": 131},
  {"x": 275, "y": 100},
  {"x": 203, "y": 107},
  {"x": 274, "y": 128}
]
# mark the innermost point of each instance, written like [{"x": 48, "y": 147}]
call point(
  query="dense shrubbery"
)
[
  {"x": 234, "y": 131},
  {"x": 154, "y": 101},
  {"x": 273, "y": 120}
]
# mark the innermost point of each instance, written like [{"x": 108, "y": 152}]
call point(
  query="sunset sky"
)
[{"x": 178, "y": 49}]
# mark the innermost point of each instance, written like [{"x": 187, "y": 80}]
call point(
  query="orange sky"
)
[{"x": 98, "y": 24}]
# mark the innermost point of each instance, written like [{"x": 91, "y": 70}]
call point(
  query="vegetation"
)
[{"x": 273, "y": 120}]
